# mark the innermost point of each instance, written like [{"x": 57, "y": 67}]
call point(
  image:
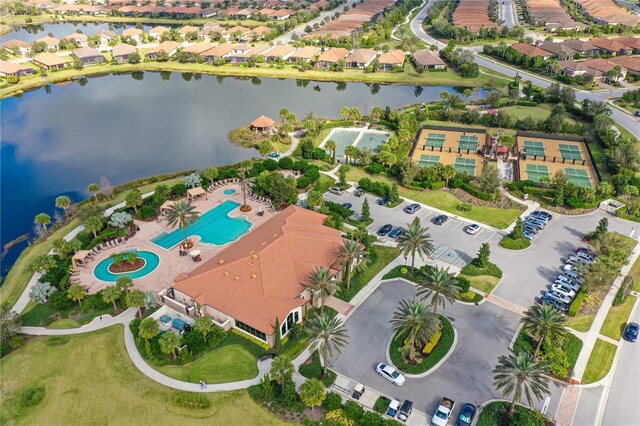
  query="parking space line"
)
[
  {"x": 490, "y": 236},
  {"x": 479, "y": 233},
  {"x": 456, "y": 227}
]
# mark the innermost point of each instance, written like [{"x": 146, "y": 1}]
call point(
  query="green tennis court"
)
[
  {"x": 578, "y": 177},
  {"x": 428, "y": 160},
  {"x": 465, "y": 165},
  {"x": 468, "y": 142},
  {"x": 534, "y": 148},
  {"x": 435, "y": 140},
  {"x": 372, "y": 140},
  {"x": 570, "y": 152},
  {"x": 343, "y": 139},
  {"x": 535, "y": 172}
]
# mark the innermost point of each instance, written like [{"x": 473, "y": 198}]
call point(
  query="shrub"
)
[
  {"x": 338, "y": 417},
  {"x": 353, "y": 410},
  {"x": 437, "y": 353},
  {"x": 192, "y": 400},
  {"x": 195, "y": 342},
  {"x": 57, "y": 340},
  {"x": 514, "y": 244},
  {"x": 577, "y": 303},
  {"x": 432, "y": 343},
  {"x": 557, "y": 361},
  {"x": 146, "y": 212},
  {"x": 285, "y": 163},
  {"x": 270, "y": 164},
  {"x": 186, "y": 356},
  {"x": 464, "y": 207},
  {"x": 464, "y": 284},
  {"x": 333, "y": 401},
  {"x": 31, "y": 397},
  {"x": 178, "y": 190},
  {"x": 314, "y": 370},
  {"x": 476, "y": 192},
  {"x": 381, "y": 404},
  {"x": 371, "y": 419},
  {"x": 623, "y": 291},
  {"x": 375, "y": 168},
  {"x": 437, "y": 185},
  {"x": 303, "y": 182},
  {"x": 60, "y": 302},
  {"x": 473, "y": 271}
]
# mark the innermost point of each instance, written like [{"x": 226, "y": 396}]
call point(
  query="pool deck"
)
[{"x": 171, "y": 263}]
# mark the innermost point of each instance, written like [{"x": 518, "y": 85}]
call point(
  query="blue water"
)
[
  {"x": 229, "y": 191},
  {"x": 213, "y": 227},
  {"x": 101, "y": 271}
]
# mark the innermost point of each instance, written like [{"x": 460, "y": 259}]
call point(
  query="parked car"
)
[
  {"x": 574, "y": 276},
  {"x": 585, "y": 250},
  {"x": 390, "y": 373},
  {"x": 540, "y": 213},
  {"x": 638, "y": 113},
  {"x": 472, "y": 229},
  {"x": 397, "y": 231},
  {"x": 555, "y": 302},
  {"x": 336, "y": 190},
  {"x": 546, "y": 219},
  {"x": 572, "y": 260},
  {"x": 412, "y": 208},
  {"x": 441, "y": 219},
  {"x": 539, "y": 223},
  {"x": 347, "y": 205},
  {"x": 405, "y": 410},
  {"x": 562, "y": 289},
  {"x": 466, "y": 416},
  {"x": 567, "y": 282},
  {"x": 588, "y": 258},
  {"x": 631, "y": 332},
  {"x": 381, "y": 201},
  {"x": 535, "y": 225},
  {"x": 530, "y": 229},
  {"x": 393, "y": 408},
  {"x": 541, "y": 220},
  {"x": 385, "y": 229},
  {"x": 358, "y": 390},
  {"x": 359, "y": 193},
  {"x": 558, "y": 296},
  {"x": 529, "y": 235},
  {"x": 443, "y": 412}
]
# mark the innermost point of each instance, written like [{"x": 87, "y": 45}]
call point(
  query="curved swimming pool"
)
[
  {"x": 229, "y": 191},
  {"x": 152, "y": 260}
]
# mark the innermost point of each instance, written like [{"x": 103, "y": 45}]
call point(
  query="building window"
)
[
  {"x": 292, "y": 318},
  {"x": 252, "y": 331}
]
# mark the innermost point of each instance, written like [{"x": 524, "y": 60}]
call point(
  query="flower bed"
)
[
  {"x": 126, "y": 266},
  {"x": 437, "y": 353}
]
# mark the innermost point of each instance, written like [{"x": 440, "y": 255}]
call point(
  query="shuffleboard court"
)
[
  {"x": 534, "y": 148},
  {"x": 465, "y": 165},
  {"x": 372, "y": 140},
  {"x": 535, "y": 172},
  {"x": 570, "y": 152},
  {"x": 578, "y": 177},
  {"x": 469, "y": 142},
  {"x": 427, "y": 160}
]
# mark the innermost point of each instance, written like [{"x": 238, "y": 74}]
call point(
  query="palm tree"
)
[
  {"x": 168, "y": 343},
  {"x": 135, "y": 299},
  {"x": 43, "y": 220},
  {"x": 349, "y": 252},
  {"x": 324, "y": 284},
  {"x": 331, "y": 147},
  {"x": 93, "y": 224},
  {"x": 345, "y": 112},
  {"x": 63, "y": 202},
  {"x": 448, "y": 172},
  {"x": 76, "y": 293},
  {"x": 416, "y": 240},
  {"x": 205, "y": 326},
  {"x": 440, "y": 285},
  {"x": 352, "y": 153},
  {"x": 414, "y": 319},
  {"x": 244, "y": 185},
  {"x": 134, "y": 199},
  {"x": 94, "y": 188},
  {"x": 110, "y": 294},
  {"x": 148, "y": 330},
  {"x": 467, "y": 93},
  {"x": 124, "y": 283},
  {"x": 542, "y": 321},
  {"x": 281, "y": 368},
  {"x": 328, "y": 337},
  {"x": 182, "y": 214},
  {"x": 520, "y": 373}
]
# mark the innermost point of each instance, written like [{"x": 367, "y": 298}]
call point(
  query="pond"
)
[
  {"x": 57, "y": 140},
  {"x": 31, "y": 33}
]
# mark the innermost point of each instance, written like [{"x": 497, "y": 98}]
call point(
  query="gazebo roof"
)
[
  {"x": 167, "y": 205},
  {"x": 194, "y": 192},
  {"x": 263, "y": 121},
  {"x": 81, "y": 255}
]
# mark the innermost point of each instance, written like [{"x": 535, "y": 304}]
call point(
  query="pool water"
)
[
  {"x": 152, "y": 260},
  {"x": 229, "y": 191},
  {"x": 213, "y": 227}
]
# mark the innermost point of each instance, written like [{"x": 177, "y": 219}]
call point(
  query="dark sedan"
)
[
  {"x": 397, "y": 232},
  {"x": 412, "y": 208},
  {"x": 466, "y": 416},
  {"x": 385, "y": 229},
  {"x": 441, "y": 219},
  {"x": 631, "y": 332}
]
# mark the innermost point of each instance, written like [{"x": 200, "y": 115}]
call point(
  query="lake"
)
[
  {"x": 125, "y": 127},
  {"x": 31, "y": 33}
]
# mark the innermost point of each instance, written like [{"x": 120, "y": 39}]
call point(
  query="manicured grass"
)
[
  {"x": 485, "y": 283},
  {"x": 580, "y": 322},
  {"x": 599, "y": 362},
  {"x": 617, "y": 318},
  {"x": 518, "y": 244},
  {"x": 65, "y": 323},
  {"x": 625, "y": 243},
  {"x": 91, "y": 378},
  {"x": 324, "y": 183},
  {"x": 540, "y": 112},
  {"x": 20, "y": 274},
  {"x": 228, "y": 364},
  {"x": 495, "y": 412},
  {"x": 635, "y": 274},
  {"x": 384, "y": 256}
]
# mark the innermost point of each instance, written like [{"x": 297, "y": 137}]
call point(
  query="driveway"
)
[{"x": 484, "y": 333}]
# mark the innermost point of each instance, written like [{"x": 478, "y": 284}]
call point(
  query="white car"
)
[
  {"x": 472, "y": 229},
  {"x": 585, "y": 257},
  {"x": 567, "y": 282},
  {"x": 562, "y": 289},
  {"x": 390, "y": 373}
]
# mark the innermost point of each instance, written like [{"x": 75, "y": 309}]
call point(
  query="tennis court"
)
[
  {"x": 343, "y": 139},
  {"x": 535, "y": 172},
  {"x": 427, "y": 160},
  {"x": 570, "y": 152},
  {"x": 372, "y": 140},
  {"x": 578, "y": 177},
  {"x": 469, "y": 142},
  {"x": 435, "y": 140},
  {"x": 534, "y": 148},
  {"x": 465, "y": 165}
]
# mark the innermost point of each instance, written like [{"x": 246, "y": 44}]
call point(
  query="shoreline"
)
[{"x": 348, "y": 76}]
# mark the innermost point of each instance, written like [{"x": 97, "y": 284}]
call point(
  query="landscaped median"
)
[
  {"x": 599, "y": 362},
  {"x": 617, "y": 318},
  {"x": 495, "y": 413}
]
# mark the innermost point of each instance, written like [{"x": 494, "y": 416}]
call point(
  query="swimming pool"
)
[
  {"x": 229, "y": 191},
  {"x": 213, "y": 227},
  {"x": 101, "y": 271}
]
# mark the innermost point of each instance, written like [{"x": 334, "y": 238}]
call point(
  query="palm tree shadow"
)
[{"x": 492, "y": 325}]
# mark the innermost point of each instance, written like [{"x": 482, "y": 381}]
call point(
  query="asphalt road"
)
[
  {"x": 286, "y": 38},
  {"x": 484, "y": 333},
  {"x": 622, "y": 407},
  {"x": 508, "y": 14}
]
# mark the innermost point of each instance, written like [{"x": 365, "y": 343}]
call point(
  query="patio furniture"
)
[
  {"x": 165, "y": 319},
  {"x": 178, "y": 324}
]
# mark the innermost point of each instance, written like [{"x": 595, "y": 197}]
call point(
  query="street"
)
[{"x": 287, "y": 37}]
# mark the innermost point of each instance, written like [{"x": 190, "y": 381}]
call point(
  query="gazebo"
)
[
  {"x": 263, "y": 124},
  {"x": 80, "y": 256},
  {"x": 198, "y": 191},
  {"x": 167, "y": 205}
]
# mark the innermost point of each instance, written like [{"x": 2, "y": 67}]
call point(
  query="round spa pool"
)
[
  {"x": 151, "y": 262},
  {"x": 229, "y": 191}
]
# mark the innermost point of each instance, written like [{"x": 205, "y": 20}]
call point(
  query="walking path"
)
[{"x": 393, "y": 32}]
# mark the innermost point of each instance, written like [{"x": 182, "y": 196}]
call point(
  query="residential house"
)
[
  {"x": 571, "y": 68},
  {"x": 279, "y": 53},
  {"x": 156, "y": 32},
  {"x": 133, "y": 33},
  {"x": 609, "y": 46},
  {"x": 218, "y": 52},
  {"x": 122, "y": 51},
  {"x": 629, "y": 63},
  {"x": 584, "y": 48},
  {"x": 531, "y": 51},
  {"x": 258, "y": 33},
  {"x": 10, "y": 69},
  {"x": 264, "y": 124},
  {"x": 21, "y": 46},
  {"x": 89, "y": 56},
  {"x": 237, "y": 33},
  {"x": 79, "y": 39},
  {"x": 197, "y": 49},
  {"x": 360, "y": 58},
  {"x": 305, "y": 54},
  {"x": 51, "y": 61},
  {"x": 281, "y": 14},
  {"x": 331, "y": 57},
  {"x": 559, "y": 50},
  {"x": 263, "y": 278},
  {"x": 599, "y": 69},
  {"x": 51, "y": 42},
  {"x": 106, "y": 36},
  {"x": 242, "y": 14},
  {"x": 168, "y": 47},
  {"x": 188, "y": 29},
  {"x": 392, "y": 58},
  {"x": 237, "y": 57},
  {"x": 427, "y": 60},
  {"x": 631, "y": 43}
]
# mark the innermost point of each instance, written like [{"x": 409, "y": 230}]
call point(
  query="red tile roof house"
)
[
  {"x": 360, "y": 58},
  {"x": 22, "y": 46},
  {"x": 51, "y": 42},
  {"x": 239, "y": 57},
  {"x": 583, "y": 47},
  {"x": 122, "y": 51},
  {"x": 133, "y": 33},
  {"x": 260, "y": 32},
  {"x": 599, "y": 68},
  {"x": 559, "y": 50},
  {"x": 331, "y": 57},
  {"x": 11, "y": 69},
  {"x": 531, "y": 51},
  {"x": 632, "y": 43},
  {"x": 427, "y": 60},
  {"x": 630, "y": 63},
  {"x": 51, "y": 61},
  {"x": 156, "y": 32},
  {"x": 261, "y": 278},
  {"x": 281, "y": 15},
  {"x": 197, "y": 49},
  {"x": 305, "y": 54},
  {"x": 168, "y": 47},
  {"x": 392, "y": 58},
  {"x": 281, "y": 52},
  {"x": 188, "y": 29},
  {"x": 238, "y": 33},
  {"x": 80, "y": 40},
  {"x": 89, "y": 56},
  {"x": 609, "y": 46},
  {"x": 106, "y": 36},
  {"x": 219, "y": 52}
]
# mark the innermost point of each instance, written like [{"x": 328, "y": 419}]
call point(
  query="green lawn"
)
[
  {"x": 617, "y": 319},
  {"x": 599, "y": 362},
  {"x": 540, "y": 112},
  {"x": 65, "y": 323},
  {"x": 90, "y": 379},
  {"x": 228, "y": 364},
  {"x": 384, "y": 256},
  {"x": 324, "y": 183},
  {"x": 485, "y": 283},
  {"x": 580, "y": 322},
  {"x": 635, "y": 274}
]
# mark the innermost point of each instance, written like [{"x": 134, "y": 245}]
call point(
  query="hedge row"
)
[{"x": 577, "y": 304}]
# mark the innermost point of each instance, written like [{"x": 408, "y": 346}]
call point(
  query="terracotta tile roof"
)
[
  {"x": 529, "y": 50},
  {"x": 361, "y": 56},
  {"x": 263, "y": 121},
  {"x": 599, "y": 64},
  {"x": 557, "y": 48},
  {"x": 333, "y": 55},
  {"x": 629, "y": 41},
  {"x": 261, "y": 30},
  {"x": 49, "y": 59},
  {"x": 631, "y": 63},
  {"x": 198, "y": 48},
  {"x": 130, "y": 32},
  {"x": 122, "y": 49},
  {"x": 12, "y": 68},
  {"x": 607, "y": 44},
  {"x": 188, "y": 29},
  {"x": 280, "y": 51},
  {"x": 219, "y": 50},
  {"x": 243, "y": 30},
  {"x": 281, "y": 13},
  {"x": 306, "y": 52},
  {"x": 392, "y": 57},
  {"x": 158, "y": 30},
  {"x": 49, "y": 41},
  {"x": 579, "y": 45},
  {"x": 14, "y": 42},
  {"x": 166, "y": 47},
  {"x": 106, "y": 33},
  {"x": 426, "y": 58},
  {"x": 261, "y": 275},
  {"x": 86, "y": 52}
]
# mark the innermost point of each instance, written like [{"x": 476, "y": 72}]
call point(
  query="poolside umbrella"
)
[{"x": 194, "y": 253}]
